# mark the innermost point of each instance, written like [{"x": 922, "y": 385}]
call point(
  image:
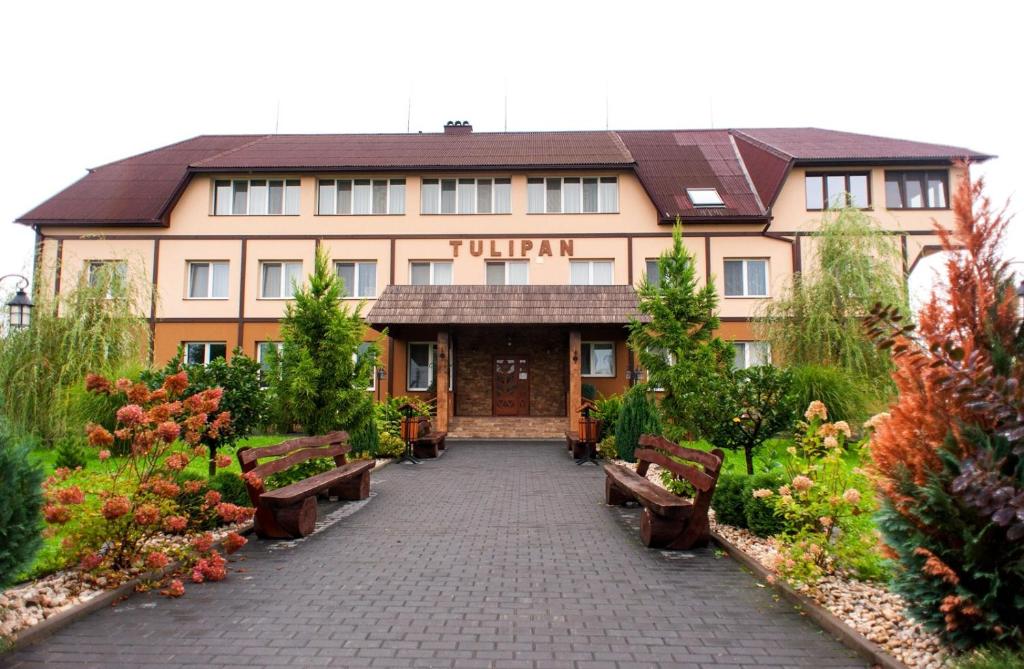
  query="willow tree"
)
[
  {"x": 96, "y": 326},
  {"x": 816, "y": 319}
]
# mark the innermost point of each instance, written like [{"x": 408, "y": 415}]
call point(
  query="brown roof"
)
[
  {"x": 496, "y": 305},
  {"x": 747, "y": 167}
]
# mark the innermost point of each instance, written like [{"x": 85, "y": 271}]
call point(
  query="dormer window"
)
[{"x": 705, "y": 197}]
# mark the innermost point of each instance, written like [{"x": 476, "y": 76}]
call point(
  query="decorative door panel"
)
[{"x": 511, "y": 386}]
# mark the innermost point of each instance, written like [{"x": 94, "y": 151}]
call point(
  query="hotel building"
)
[{"x": 503, "y": 265}]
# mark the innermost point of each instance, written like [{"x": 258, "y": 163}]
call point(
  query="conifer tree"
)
[
  {"x": 319, "y": 380},
  {"x": 638, "y": 416}
]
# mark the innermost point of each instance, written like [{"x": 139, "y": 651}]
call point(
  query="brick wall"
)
[{"x": 475, "y": 350}]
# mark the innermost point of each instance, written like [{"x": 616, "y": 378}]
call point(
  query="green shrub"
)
[
  {"x": 21, "y": 501},
  {"x": 84, "y": 407},
  {"x": 760, "y": 512},
  {"x": 191, "y": 505},
  {"x": 390, "y": 446},
  {"x": 298, "y": 472},
  {"x": 70, "y": 452},
  {"x": 677, "y": 486},
  {"x": 639, "y": 416},
  {"x": 991, "y": 658},
  {"x": 365, "y": 439},
  {"x": 231, "y": 488},
  {"x": 389, "y": 418},
  {"x": 846, "y": 397},
  {"x": 606, "y": 448},
  {"x": 728, "y": 500},
  {"x": 608, "y": 410}
]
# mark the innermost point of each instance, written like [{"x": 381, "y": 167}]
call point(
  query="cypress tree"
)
[{"x": 639, "y": 416}]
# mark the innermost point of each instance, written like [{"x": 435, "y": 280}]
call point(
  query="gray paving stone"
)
[{"x": 496, "y": 555}]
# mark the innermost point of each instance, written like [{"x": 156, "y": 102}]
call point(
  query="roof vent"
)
[{"x": 457, "y": 128}]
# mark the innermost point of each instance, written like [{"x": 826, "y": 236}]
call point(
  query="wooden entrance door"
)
[{"x": 511, "y": 386}]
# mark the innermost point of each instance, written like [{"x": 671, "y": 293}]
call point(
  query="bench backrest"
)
[
  {"x": 656, "y": 450},
  {"x": 290, "y": 453}
]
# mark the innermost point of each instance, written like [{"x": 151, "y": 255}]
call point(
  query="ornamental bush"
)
[
  {"x": 638, "y": 416},
  {"x": 847, "y": 396},
  {"x": 70, "y": 452},
  {"x": 608, "y": 410},
  {"x": 366, "y": 439},
  {"x": 758, "y": 508},
  {"x": 20, "y": 505},
  {"x": 389, "y": 418},
  {"x": 728, "y": 500},
  {"x": 112, "y": 520},
  {"x": 231, "y": 488},
  {"x": 390, "y": 446}
]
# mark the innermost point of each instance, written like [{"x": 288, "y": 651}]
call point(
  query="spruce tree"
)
[
  {"x": 320, "y": 379},
  {"x": 639, "y": 416}
]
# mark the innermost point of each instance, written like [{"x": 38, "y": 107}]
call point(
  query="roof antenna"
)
[{"x": 277, "y": 116}]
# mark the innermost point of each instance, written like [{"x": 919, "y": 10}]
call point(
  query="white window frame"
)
[
  {"x": 647, "y": 264},
  {"x": 295, "y": 183},
  {"x": 285, "y": 284},
  {"x": 590, "y": 271},
  {"x": 505, "y": 264},
  {"x": 432, "y": 264},
  {"x": 476, "y": 195},
  {"x": 93, "y": 265},
  {"x": 746, "y": 262},
  {"x": 355, "y": 274},
  {"x": 279, "y": 345},
  {"x": 389, "y": 206},
  {"x": 592, "y": 375},
  {"x": 746, "y": 344},
  {"x": 431, "y": 371},
  {"x": 669, "y": 358},
  {"x": 373, "y": 373},
  {"x": 206, "y": 349},
  {"x": 699, "y": 202},
  {"x": 601, "y": 207},
  {"x": 209, "y": 279}
]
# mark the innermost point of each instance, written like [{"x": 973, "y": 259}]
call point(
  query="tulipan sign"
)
[{"x": 512, "y": 248}]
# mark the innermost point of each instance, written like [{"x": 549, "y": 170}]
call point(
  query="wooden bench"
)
[
  {"x": 428, "y": 443},
  {"x": 668, "y": 520},
  {"x": 290, "y": 511}
]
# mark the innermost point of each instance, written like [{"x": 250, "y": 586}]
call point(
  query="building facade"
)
[{"x": 502, "y": 265}]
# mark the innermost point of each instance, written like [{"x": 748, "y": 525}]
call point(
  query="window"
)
[
  {"x": 430, "y": 273},
  {"x": 278, "y": 279},
  {"x": 597, "y": 358},
  {"x": 705, "y": 197},
  {"x": 422, "y": 360},
  {"x": 834, "y": 190},
  {"x": 746, "y": 278},
  {"x": 203, "y": 352},
  {"x": 256, "y": 197},
  {"x": 916, "y": 190},
  {"x": 466, "y": 196},
  {"x": 360, "y": 196},
  {"x": 508, "y": 273},
  {"x": 361, "y": 351},
  {"x": 653, "y": 274},
  {"x": 572, "y": 195},
  {"x": 263, "y": 352},
  {"x": 360, "y": 278},
  {"x": 751, "y": 354},
  {"x": 590, "y": 272},
  {"x": 114, "y": 272},
  {"x": 207, "y": 280}
]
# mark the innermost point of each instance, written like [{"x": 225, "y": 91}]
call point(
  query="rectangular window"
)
[
  {"x": 346, "y": 197},
  {"x": 359, "y": 278},
  {"x": 278, "y": 279},
  {"x": 918, "y": 189},
  {"x": 208, "y": 280},
  {"x": 466, "y": 196},
  {"x": 746, "y": 277},
  {"x": 590, "y": 272},
  {"x": 430, "y": 273},
  {"x": 597, "y": 358},
  {"x": 835, "y": 190},
  {"x": 508, "y": 273},
  {"x": 422, "y": 361},
  {"x": 115, "y": 272},
  {"x": 264, "y": 349},
  {"x": 705, "y": 197},
  {"x": 751, "y": 354},
  {"x": 653, "y": 276},
  {"x": 572, "y": 195},
  {"x": 363, "y": 348},
  {"x": 256, "y": 197},
  {"x": 204, "y": 352}
]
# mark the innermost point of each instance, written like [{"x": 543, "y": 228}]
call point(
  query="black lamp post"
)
[{"x": 19, "y": 308}]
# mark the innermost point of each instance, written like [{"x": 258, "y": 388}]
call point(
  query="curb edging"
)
[{"x": 824, "y": 618}]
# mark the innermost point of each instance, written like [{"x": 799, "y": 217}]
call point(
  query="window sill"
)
[
  {"x": 206, "y": 299},
  {"x": 832, "y": 209},
  {"x": 255, "y": 215},
  {"x": 746, "y": 297},
  {"x": 318, "y": 215},
  {"x": 918, "y": 209},
  {"x": 476, "y": 213},
  {"x": 599, "y": 376},
  {"x": 275, "y": 299},
  {"x": 572, "y": 213},
  {"x": 353, "y": 298}
]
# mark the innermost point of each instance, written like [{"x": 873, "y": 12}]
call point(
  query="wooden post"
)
[
  {"x": 441, "y": 374},
  {"x": 575, "y": 380}
]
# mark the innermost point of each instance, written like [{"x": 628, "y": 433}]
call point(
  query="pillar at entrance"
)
[
  {"x": 575, "y": 380},
  {"x": 441, "y": 375}
]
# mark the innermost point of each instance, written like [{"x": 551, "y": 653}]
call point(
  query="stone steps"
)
[{"x": 507, "y": 427}]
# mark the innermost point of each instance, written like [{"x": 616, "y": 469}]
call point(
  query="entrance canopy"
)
[{"x": 504, "y": 305}]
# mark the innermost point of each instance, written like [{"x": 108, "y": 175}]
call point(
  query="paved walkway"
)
[{"x": 496, "y": 555}]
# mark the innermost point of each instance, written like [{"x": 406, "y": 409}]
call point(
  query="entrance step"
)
[{"x": 507, "y": 427}]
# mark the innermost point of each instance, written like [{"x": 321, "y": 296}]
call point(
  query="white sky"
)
[{"x": 85, "y": 83}]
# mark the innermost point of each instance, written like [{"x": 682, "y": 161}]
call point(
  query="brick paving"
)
[{"x": 496, "y": 555}]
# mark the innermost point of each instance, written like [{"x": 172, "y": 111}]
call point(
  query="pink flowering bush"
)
[
  {"x": 825, "y": 504},
  {"x": 114, "y": 520}
]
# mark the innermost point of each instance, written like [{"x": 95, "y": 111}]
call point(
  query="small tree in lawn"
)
[
  {"x": 676, "y": 344},
  {"x": 639, "y": 416},
  {"x": 320, "y": 378}
]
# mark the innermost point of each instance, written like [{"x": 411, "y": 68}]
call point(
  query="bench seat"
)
[
  {"x": 649, "y": 494},
  {"x": 294, "y": 492}
]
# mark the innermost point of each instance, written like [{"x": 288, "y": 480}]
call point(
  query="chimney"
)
[{"x": 457, "y": 128}]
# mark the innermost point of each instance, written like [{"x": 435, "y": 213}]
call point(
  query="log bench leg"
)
[
  {"x": 298, "y": 520},
  {"x": 425, "y": 449},
  {"x": 353, "y": 489},
  {"x": 675, "y": 533},
  {"x": 613, "y": 495}
]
